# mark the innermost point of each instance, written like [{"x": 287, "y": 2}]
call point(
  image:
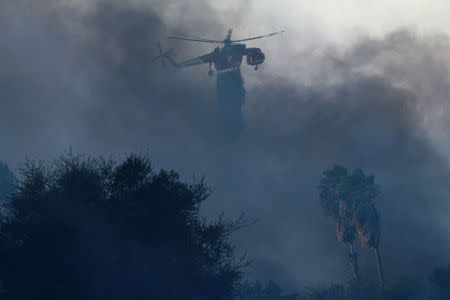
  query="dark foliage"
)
[
  {"x": 89, "y": 228},
  {"x": 8, "y": 181},
  {"x": 8, "y": 186}
]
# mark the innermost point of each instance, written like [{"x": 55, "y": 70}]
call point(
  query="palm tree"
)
[
  {"x": 346, "y": 235},
  {"x": 347, "y": 197},
  {"x": 367, "y": 220},
  {"x": 334, "y": 205}
]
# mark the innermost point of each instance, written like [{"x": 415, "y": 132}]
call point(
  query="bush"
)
[{"x": 88, "y": 228}]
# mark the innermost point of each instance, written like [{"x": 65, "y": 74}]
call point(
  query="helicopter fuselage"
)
[
  {"x": 228, "y": 57},
  {"x": 231, "y": 56}
]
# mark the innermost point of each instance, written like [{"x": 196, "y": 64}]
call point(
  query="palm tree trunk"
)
[
  {"x": 380, "y": 269},
  {"x": 353, "y": 260}
]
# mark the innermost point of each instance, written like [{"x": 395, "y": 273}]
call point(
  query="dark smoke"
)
[{"x": 85, "y": 79}]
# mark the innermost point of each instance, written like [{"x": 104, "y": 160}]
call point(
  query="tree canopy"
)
[
  {"x": 91, "y": 228},
  {"x": 8, "y": 181},
  {"x": 347, "y": 197}
]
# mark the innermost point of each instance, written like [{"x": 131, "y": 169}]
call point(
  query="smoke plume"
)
[{"x": 78, "y": 74}]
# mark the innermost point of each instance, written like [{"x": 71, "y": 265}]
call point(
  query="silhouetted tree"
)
[
  {"x": 336, "y": 205},
  {"x": 367, "y": 222},
  {"x": 8, "y": 186},
  {"x": 88, "y": 228},
  {"x": 347, "y": 197},
  {"x": 365, "y": 215},
  {"x": 8, "y": 182}
]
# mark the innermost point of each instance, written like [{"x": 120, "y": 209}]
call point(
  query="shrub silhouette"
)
[
  {"x": 8, "y": 181},
  {"x": 90, "y": 228},
  {"x": 8, "y": 186}
]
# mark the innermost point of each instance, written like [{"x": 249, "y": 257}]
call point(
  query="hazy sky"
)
[
  {"x": 336, "y": 21},
  {"x": 366, "y": 85}
]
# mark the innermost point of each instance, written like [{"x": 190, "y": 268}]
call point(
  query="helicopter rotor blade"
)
[
  {"x": 193, "y": 39},
  {"x": 259, "y": 37}
]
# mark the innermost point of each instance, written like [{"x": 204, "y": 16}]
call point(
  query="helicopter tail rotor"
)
[{"x": 164, "y": 56}]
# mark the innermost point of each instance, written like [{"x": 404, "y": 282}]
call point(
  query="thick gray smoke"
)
[{"x": 83, "y": 78}]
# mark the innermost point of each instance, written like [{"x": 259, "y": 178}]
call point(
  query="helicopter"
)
[{"x": 229, "y": 57}]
